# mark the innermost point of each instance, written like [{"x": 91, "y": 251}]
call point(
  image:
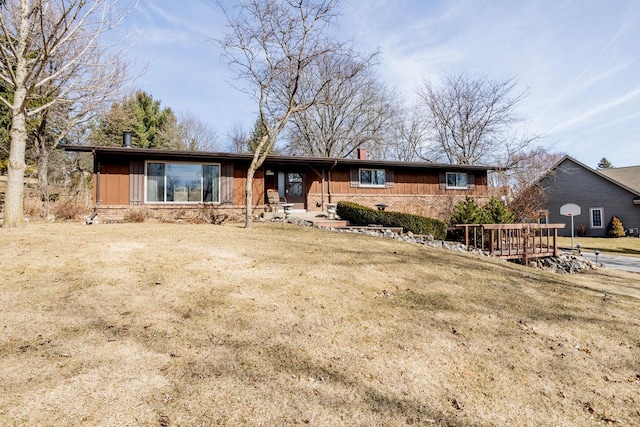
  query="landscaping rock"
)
[{"x": 564, "y": 264}]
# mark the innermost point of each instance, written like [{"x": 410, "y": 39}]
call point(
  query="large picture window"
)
[
  {"x": 456, "y": 180},
  {"x": 182, "y": 182},
  {"x": 372, "y": 177},
  {"x": 596, "y": 215}
]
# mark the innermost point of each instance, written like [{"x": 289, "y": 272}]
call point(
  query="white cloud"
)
[{"x": 580, "y": 60}]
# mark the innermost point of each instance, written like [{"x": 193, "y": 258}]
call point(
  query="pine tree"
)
[
  {"x": 495, "y": 212},
  {"x": 604, "y": 164},
  {"x": 467, "y": 211},
  {"x": 259, "y": 131}
]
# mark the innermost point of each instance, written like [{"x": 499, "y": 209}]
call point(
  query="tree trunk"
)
[
  {"x": 14, "y": 198},
  {"x": 249, "y": 191},
  {"x": 13, "y": 201}
]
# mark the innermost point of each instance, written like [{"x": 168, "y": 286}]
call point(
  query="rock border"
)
[{"x": 562, "y": 264}]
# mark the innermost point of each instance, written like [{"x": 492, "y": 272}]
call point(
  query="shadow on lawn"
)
[{"x": 382, "y": 406}]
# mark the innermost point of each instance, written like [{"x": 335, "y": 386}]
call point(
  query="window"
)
[
  {"x": 543, "y": 217},
  {"x": 182, "y": 183},
  {"x": 456, "y": 180},
  {"x": 372, "y": 177},
  {"x": 596, "y": 215}
]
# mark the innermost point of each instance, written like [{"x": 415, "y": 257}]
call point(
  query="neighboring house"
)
[
  {"x": 170, "y": 182},
  {"x": 600, "y": 194}
]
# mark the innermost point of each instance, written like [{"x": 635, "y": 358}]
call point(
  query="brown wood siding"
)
[
  {"x": 114, "y": 184},
  {"x": 136, "y": 183},
  {"x": 406, "y": 182},
  {"x": 226, "y": 184},
  {"x": 240, "y": 182}
]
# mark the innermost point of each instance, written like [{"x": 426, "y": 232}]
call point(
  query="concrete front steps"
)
[{"x": 336, "y": 223}]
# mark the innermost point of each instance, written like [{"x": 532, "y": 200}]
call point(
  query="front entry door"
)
[{"x": 294, "y": 189}]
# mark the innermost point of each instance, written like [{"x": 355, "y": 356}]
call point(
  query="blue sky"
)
[{"x": 578, "y": 60}]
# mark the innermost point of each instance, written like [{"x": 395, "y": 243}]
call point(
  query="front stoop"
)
[{"x": 336, "y": 223}]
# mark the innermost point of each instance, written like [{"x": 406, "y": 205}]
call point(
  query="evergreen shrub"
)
[
  {"x": 361, "y": 215},
  {"x": 615, "y": 227}
]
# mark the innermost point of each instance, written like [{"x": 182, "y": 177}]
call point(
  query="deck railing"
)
[{"x": 514, "y": 241}]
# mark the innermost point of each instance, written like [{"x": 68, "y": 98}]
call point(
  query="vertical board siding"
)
[
  {"x": 136, "y": 183},
  {"x": 406, "y": 182},
  {"x": 239, "y": 182},
  {"x": 114, "y": 184},
  {"x": 226, "y": 184}
]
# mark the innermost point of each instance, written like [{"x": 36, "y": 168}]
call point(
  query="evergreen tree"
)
[
  {"x": 467, "y": 211},
  {"x": 259, "y": 131},
  {"x": 604, "y": 164},
  {"x": 152, "y": 125},
  {"x": 615, "y": 227},
  {"x": 495, "y": 212}
]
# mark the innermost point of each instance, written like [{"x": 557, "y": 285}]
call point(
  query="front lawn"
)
[
  {"x": 621, "y": 246},
  {"x": 176, "y": 324}
]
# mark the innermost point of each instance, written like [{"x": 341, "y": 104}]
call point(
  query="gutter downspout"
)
[
  {"x": 322, "y": 191},
  {"x": 96, "y": 165}
]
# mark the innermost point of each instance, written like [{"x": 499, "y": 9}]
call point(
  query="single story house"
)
[
  {"x": 171, "y": 183},
  {"x": 600, "y": 194}
]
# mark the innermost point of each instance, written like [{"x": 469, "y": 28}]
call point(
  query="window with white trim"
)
[
  {"x": 168, "y": 182},
  {"x": 372, "y": 177},
  {"x": 457, "y": 180},
  {"x": 596, "y": 216},
  {"x": 543, "y": 217}
]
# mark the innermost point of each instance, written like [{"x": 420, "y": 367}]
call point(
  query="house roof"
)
[
  {"x": 625, "y": 185},
  {"x": 270, "y": 160},
  {"x": 629, "y": 176}
]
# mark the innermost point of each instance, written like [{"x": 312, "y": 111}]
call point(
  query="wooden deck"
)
[{"x": 514, "y": 241}]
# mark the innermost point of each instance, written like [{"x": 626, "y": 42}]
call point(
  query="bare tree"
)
[
  {"x": 352, "y": 109},
  {"x": 519, "y": 182},
  {"x": 472, "y": 121},
  {"x": 408, "y": 133},
  {"x": 53, "y": 51},
  {"x": 272, "y": 44},
  {"x": 237, "y": 140},
  {"x": 196, "y": 135}
]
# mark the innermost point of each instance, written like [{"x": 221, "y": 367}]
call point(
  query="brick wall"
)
[{"x": 169, "y": 213}]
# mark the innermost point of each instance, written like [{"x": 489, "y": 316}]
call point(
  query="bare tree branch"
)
[
  {"x": 271, "y": 44},
  {"x": 472, "y": 120}
]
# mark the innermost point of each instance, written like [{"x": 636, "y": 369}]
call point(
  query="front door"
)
[{"x": 294, "y": 188}]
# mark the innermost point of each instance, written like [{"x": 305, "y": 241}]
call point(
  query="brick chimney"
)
[{"x": 362, "y": 154}]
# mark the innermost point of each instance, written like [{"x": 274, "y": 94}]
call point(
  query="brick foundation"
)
[{"x": 171, "y": 213}]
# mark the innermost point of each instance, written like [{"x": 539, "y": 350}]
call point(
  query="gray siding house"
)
[{"x": 601, "y": 194}]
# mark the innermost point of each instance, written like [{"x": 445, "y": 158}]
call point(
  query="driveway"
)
[{"x": 617, "y": 262}]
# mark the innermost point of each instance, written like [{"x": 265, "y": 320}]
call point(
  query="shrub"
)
[
  {"x": 615, "y": 227},
  {"x": 135, "y": 215},
  {"x": 495, "y": 212},
  {"x": 467, "y": 211},
  {"x": 68, "y": 208},
  {"x": 581, "y": 230},
  {"x": 361, "y": 215}
]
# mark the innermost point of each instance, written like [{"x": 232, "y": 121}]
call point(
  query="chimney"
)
[
  {"x": 362, "y": 154},
  {"x": 126, "y": 139}
]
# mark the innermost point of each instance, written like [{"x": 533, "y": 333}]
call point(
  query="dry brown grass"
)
[
  {"x": 622, "y": 245},
  {"x": 149, "y": 324}
]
